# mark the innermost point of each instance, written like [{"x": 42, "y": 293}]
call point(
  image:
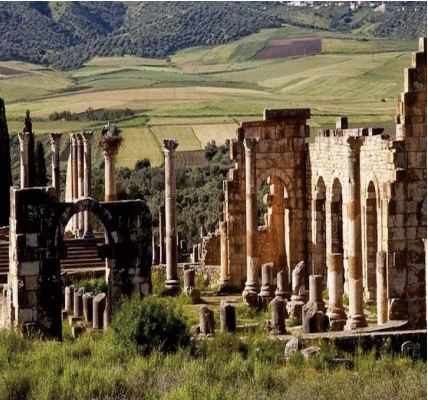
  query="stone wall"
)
[{"x": 210, "y": 254}]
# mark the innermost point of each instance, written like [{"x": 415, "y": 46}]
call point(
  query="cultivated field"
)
[{"x": 200, "y": 94}]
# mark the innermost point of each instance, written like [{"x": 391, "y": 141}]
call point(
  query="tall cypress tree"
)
[
  {"x": 5, "y": 169},
  {"x": 28, "y": 127},
  {"x": 41, "y": 178}
]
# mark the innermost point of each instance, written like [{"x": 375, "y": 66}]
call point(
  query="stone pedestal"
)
[
  {"x": 281, "y": 291},
  {"x": 336, "y": 311},
  {"x": 356, "y": 317},
  {"x": 279, "y": 313},
  {"x": 206, "y": 321},
  {"x": 227, "y": 317},
  {"x": 252, "y": 282},
  {"x": 55, "y": 147},
  {"x": 172, "y": 284},
  {"x": 266, "y": 290},
  {"x": 24, "y": 138}
]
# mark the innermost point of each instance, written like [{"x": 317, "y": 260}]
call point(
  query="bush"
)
[
  {"x": 94, "y": 285},
  {"x": 149, "y": 324}
]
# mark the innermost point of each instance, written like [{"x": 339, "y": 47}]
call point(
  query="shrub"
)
[
  {"x": 149, "y": 324},
  {"x": 94, "y": 285}
]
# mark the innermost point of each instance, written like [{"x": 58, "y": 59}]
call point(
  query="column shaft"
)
[
  {"x": 224, "y": 258},
  {"x": 162, "y": 235},
  {"x": 24, "y": 138},
  {"x": 381, "y": 288},
  {"x": 336, "y": 311},
  {"x": 80, "y": 186},
  {"x": 74, "y": 179},
  {"x": 55, "y": 147},
  {"x": 87, "y": 180}
]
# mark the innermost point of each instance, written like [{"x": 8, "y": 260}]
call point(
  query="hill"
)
[{"x": 66, "y": 34}]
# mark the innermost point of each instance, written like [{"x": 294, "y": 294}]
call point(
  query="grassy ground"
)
[{"x": 199, "y": 94}]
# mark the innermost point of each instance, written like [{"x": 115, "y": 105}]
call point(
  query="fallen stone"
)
[
  {"x": 291, "y": 347},
  {"x": 311, "y": 352}
]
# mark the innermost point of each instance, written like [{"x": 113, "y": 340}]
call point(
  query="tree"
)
[
  {"x": 40, "y": 175},
  {"x": 28, "y": 127},
  {"x": 5, "y": 169},
  {"x": 141, "y": 164}
]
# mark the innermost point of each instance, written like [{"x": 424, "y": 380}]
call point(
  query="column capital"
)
[
  {"x": 55, "y": 138},
  {"x": 169, "y": 145},
  {"x": 250, "y": 143},
  {"x": 86, "y": 136},
  {"x": 73, "y": 139},
  {"x": 23, "y": 137},
  {"x": 110, "y": 145},
  {"x": 355, "y": 143}
]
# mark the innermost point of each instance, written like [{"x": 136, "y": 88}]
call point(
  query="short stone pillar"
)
[
  {"x": 266, "y": 290},
  {"x": 252, "y": 282},
  {"x": 78, "y": 303},
  {"x": 24, "y": 138},
  {"x": 381, "y": 288},
  {"x": 55, "y": 148},
  {"x": 110, "y": 145},
  {"x": 162, "y": 235},
  {"x": 336, "y": 312},
  {"x": 98, "y": 311},
  {"x": 224, "y": 256},
  {"x": 227, "y": 317},
  {"x": 315, "y": 291},
  {"x": 279, "y": 314},
  {"x": 69, "y": 299},
  {"x": 281, "y": 291},
  {"x": 294, "y": 307},
  {"x": 356, "y": 318},
  {"x": 189, "y": 288},
  {"x": 206, "y": 320},
  {"x": 313, "y": 320},
  {"x": 87, "y": 180},
  {"x": 172, "y": 284},
  {"x": 88, "y": 299}
]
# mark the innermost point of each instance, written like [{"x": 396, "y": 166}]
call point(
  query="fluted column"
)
[
  {"x": 80, "y": 186},
  {"x": 87, "y": 180},
  {"x": 110, "y": 146},
  {"x": 24, "y": 138},
  {"x": 55, "y": 147},
  {"x": 252, "y": 283},
  {"x": 172, "y": 284},
  {"x": 356, "y": 318},
  {"x": 224, "y": 257}
]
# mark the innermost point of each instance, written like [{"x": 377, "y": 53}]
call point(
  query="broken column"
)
[
  {"x": 78, "y": 303},
  {"x": 206, "y": 320},
  {"x": 87, "y": 300},
  {"x": 381, "y": 288},
  {"x": 189, "y": 283},
  {"x": 224, "y": 258},
  {"x": 295, "y": 305},
  {"x": 69, "y": 299},
  {"x": 162, "y": 235},
  {"x": 279, "y": 313},
  {"x": 227, "y": 317},
  {"x": 266, "y": 290},
  {"x": 98, "y": 311},
  {"x": 24, "y": 138},
  {"x": 315, "y": 291},
  {"x": 356, "y": 317},
  {"x": 252, "y": 282},
  {"x": 172, "y": 284},
  {"x": 336, "y": 312},
  {"x": 55, "y": 147},
  {"x": 87, "y": 180},
  {"x": 282, "y": 285}
]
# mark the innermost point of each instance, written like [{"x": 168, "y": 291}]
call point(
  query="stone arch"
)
[{"x": 281, "y": 175}]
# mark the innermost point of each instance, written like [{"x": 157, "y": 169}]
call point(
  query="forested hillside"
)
[{"x": 66, "y": 34}]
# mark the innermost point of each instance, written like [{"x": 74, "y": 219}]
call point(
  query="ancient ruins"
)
[{"x": 345, "y": 213}]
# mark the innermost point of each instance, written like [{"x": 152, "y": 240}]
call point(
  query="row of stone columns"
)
[{"x": 81, "y": 180}]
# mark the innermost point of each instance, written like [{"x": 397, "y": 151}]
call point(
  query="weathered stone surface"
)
[
  {"x": 98, "y": 311},
  {"x": 206, "y": 320},
  {"x": 313, "y": 320},
  {"x": 78, "y": 303},
  {"x": 311, "y": 352},
  {"x": 291, "y": 347},
  {"x": 227, "y": 317},
  {"x": 88, "y": 299},
  {"x": 279, "y": 314}
]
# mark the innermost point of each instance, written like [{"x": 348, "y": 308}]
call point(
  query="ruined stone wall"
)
[
  {"x": 280, "y": 157},
  {"x": 211, "y": 249}
]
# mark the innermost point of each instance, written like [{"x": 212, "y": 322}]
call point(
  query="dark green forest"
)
[{"x": 66, "y": 34}]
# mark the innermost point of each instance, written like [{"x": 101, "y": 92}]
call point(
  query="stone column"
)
[
  {"x": 110, "y": 146},
  {"x": 356, "y": 317},
  {"x": 24, "y": 138},
  {"x": 162, "y": 235},
  {"x": 224, "y": 258},
  {"x": 55, "y": 147},
  {"x": 336, "y": 311},
  {"x": 252, "y": 283},
  {"x": 87, "y": 180},
  {"x": 74, "y": 178},
  {"x": 381, "y": 288},
  {"x": 172, "y": 284}
]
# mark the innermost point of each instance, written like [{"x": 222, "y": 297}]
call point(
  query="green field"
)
[{"x": 201, "y": 94}]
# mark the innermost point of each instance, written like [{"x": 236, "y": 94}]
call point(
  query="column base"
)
[
  {"x": 337, "y": 318},
  {"x": 355, "y": 322},
  {"x": 282, "y": 294},
  {"x": 250, "y": 296},
  {"x": 225, "y": 286},
  {"x": 172, "y": 287}
]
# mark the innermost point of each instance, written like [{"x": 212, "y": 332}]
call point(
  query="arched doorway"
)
[{"x": 371, "y": 243}]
